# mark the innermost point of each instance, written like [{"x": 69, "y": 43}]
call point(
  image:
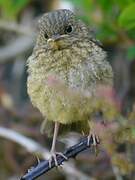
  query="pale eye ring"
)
[{"x": 68, "y": 29}]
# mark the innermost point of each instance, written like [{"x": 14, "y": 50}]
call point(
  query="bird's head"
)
[{"x": 60, "y": 29}]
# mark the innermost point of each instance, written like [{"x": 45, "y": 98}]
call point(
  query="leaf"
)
[
  {"x": 123, "y": 3},
  {"x": 131, "y": 53},
  {"x": 86, "y": 5},
  {"x": 127, "y": 17},
  {"x": 18, "y": 5},
  {"x": 106, "y": 33},
  {"x": 131, "y": 34},
  {"x": 10, "y": 9},
  {"x": 106, "y": 5}
]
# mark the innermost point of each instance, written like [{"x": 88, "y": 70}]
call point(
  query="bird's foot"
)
[
  {"x": 54, "y": 157},
  {"x": 95, "y": 139}
]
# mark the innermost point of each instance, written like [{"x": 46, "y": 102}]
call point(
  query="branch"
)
[
  {"x": 35, "y": 148},
  {"x": 71, "y": 152},
  {"x": 19, "y": 45},
  {"x": 29, "y": 144},
  {"x": 13, "y": 49},
  {"x": 18, "y": 28}
]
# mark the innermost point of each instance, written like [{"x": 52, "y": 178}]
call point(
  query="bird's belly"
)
[
  {"x": 63, "y": 107},
  {"x": 83, "y": 77}
]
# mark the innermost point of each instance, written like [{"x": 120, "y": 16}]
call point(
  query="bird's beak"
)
[
  {"x": 55, "y": 37},
  {"x": 55, "y": 41}
]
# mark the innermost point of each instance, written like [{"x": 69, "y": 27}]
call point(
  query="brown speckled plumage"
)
[{"x": 75, "y": 57}]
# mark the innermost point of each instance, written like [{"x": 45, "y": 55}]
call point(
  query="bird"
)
[{"x": 66, "y": 66}]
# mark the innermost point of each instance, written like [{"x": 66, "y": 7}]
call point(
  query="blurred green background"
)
[{"x": 113, "y": 23}]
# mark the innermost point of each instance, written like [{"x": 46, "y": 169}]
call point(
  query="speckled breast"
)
[{"x": 78, "y": 67}]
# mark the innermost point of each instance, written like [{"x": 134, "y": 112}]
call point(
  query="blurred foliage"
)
[
  {"x": 131, "y": 52},
  {"x": 11, "y": 8},
  {"x": 114, "y": 20},
  {"x": 127, "y": 17}
]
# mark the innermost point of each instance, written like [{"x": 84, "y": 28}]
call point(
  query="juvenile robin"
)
[{"x": 66, "y": 66}]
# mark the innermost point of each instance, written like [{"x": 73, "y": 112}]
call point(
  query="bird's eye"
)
[
  {"x": 68, "y": 29},
  {"x": 46, "y": 36}
]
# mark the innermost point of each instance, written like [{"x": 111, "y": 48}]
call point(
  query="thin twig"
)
[
  {"x": 34, "y": 147},
  {"x": 29, "y": 144},
  {"x": 13, "y": 49},
  {"x": 18, "y": 28},
  {"x": 71, "y": 152},
  {"x": 21, "y": 44}
]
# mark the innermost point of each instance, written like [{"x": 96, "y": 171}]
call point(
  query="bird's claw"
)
[
  {"x": 95, "y": 139},
  {"x": 54, "y": 157}
]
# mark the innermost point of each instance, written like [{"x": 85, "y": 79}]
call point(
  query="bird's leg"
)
[
  {"x": 56, "y": 129},
  {"x": 95, "y": 138},
  {"x": 53, "y": 152}
]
